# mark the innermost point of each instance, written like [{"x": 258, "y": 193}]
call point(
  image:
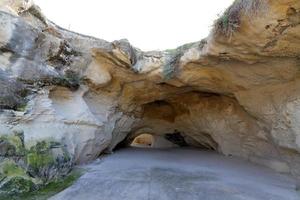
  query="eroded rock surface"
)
[{"x": 236, "y": 92}]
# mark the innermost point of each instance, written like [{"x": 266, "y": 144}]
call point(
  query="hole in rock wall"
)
[
  {"x": 173, "y": 139},
  {"x": 143, "y": 140},
  {"x": 148, "y": 140}
]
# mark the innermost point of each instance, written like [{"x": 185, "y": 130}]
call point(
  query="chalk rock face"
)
[{"x": 236, "y": 92}]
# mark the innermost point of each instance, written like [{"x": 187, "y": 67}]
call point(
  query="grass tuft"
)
[
  {"x": 173, "y": 58},
  {"x": 230, "y": 21}
]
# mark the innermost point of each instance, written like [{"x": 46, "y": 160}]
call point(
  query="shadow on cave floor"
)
[{"x": 176, "y": 174}]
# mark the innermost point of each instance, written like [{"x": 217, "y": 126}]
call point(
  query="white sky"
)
[{"x": 147, "y": 24}]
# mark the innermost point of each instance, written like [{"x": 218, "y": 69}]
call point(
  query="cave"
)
[
  {"x": 214, "y": 119},
  {"x": 165, "y": 123}
]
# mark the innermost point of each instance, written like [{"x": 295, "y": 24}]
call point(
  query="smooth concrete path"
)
[{"x": 177, "y": 174}]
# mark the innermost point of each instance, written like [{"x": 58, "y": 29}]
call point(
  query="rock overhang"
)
[{"x": 236, "y": 93}]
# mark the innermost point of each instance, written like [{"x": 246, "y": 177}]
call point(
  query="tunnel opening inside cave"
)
[
  {"x": 174, "y": 139},
  {"x": 144, "y": 140},
  {"x": 148, "y": 140}
]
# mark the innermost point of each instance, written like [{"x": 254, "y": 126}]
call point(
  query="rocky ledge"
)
[{"x": 65, "y": 98}]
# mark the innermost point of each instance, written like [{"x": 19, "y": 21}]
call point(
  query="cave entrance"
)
[
  {"x": 148, "y": 140},
  {"x": 144, "y": 140}
]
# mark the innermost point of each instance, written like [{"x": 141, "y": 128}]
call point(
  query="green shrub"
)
[
  {"x": 48, "y": 160},
  {"x": 50, "y": 189},
  {"x": 25, "y": 170},
  {"x": 14, "y": 180},
  {"x": 12, "y": 145},
  {"x": 17, "y": 185}
]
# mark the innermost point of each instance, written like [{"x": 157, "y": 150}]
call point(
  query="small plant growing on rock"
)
[
  {"x": 70, "y": 79},
  {"x": 172, "y": 60},
  {"x": 169, "y": 68},
  {"x": 230, "y": 21},
  {"x": 12, "y": 145}
]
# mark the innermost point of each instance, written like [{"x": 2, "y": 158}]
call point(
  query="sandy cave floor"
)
[{"x": 177, "y": 174}]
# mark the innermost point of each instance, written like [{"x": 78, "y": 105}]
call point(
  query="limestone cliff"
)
[{"x": 237, "y": 91}]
